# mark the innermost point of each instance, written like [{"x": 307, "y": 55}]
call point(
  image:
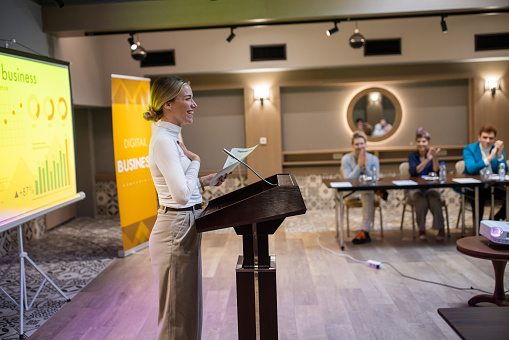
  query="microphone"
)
[{"x": 232, "y": 156}]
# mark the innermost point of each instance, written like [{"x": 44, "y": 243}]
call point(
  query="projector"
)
[{"x": 495, "y": 231}]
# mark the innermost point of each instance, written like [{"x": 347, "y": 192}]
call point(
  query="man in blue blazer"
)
[{"x": 486, "y": 152}]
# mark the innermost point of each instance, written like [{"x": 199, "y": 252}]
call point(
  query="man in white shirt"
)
[
  {"x": 353, "y": 165},
  {"x": 382, "y": 128}
]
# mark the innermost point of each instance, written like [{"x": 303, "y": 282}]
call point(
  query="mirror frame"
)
[{"x": 392, "y": 98}]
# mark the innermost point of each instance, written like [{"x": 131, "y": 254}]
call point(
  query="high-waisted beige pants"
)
[{"x": 176, "y": 261}]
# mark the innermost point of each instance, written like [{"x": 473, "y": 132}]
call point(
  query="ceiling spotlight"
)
[
  {"x": 231, "y": 36},
  {"x": 443, "y": 24},
  {"x": 356, "y": 40},
  {"x": 137, "y": 51},
  {"x": 332, "y": 30}
]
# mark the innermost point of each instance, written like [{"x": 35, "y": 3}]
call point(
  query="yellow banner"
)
[{"x": 137, "y": 197}]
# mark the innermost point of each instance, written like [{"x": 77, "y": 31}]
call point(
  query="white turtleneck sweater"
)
[{"x": 174, "y": 175}]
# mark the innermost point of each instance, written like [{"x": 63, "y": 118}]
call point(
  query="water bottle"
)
[
  {"x": 362, "y": 176},
  {"x": 442, "y": 173},
  {"x": 488, "y": 172},
  {"x": 501, "y": 171},
  {"x": 374, "y": 173}
]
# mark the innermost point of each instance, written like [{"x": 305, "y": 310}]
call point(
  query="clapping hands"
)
[
  {"x": 433, "y": 153},
  {"x": 362, "y": 159},
  {"x": 499, "y": 146}
]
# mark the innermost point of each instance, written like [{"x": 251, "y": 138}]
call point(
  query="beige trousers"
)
[
  {"x": 368, "y": 208},
  {"x": 176, "y": 261},
  {"x": 425, "y": 200}
]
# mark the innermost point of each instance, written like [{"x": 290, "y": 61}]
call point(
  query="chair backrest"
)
[
  {"x": 404, "y": 169},
  {"x": 460, "y": 166}
]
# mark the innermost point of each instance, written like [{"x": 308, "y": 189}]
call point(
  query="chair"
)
[
  {"x": 460, "y": 168},
  {"x": 404, "y": 171},
  {"x": 356, "y": 203}
]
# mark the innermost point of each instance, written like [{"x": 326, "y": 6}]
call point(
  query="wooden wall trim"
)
[{"x": 263, "y": 121}]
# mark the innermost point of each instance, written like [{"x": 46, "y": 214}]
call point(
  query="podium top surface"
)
[{"x": 258, "y": 202}]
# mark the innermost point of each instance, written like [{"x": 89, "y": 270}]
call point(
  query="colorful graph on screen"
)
[{"x": 36, "y": 134}]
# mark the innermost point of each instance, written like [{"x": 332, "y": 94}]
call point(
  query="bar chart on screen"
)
[{"x": 36, "y": 135}]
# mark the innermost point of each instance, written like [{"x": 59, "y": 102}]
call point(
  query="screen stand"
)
[{"x": 23, "y": 298}]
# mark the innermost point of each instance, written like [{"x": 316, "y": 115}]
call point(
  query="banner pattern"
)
[{"x": 137, "y": 197}]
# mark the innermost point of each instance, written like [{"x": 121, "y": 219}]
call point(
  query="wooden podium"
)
[{"x": 255, "y": 212}]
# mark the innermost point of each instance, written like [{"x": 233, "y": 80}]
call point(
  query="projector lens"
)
[{"x": 496, "y": 232}]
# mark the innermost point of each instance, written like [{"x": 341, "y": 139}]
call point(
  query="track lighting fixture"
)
[
  {"x": 231, "y": 36},
  {"x": 332, "y": 30},
  {"x": 137, "y": 51},
  {"x": 443, "y": 24},
  {"x": 356, "y": 40}
]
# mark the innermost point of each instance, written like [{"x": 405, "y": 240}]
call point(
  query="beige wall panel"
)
[
  {"x": 263, "y": 121},
  {"x": 60, "y": 216},
  {"x": 492, "y": 109},
  {"x": 314, "y": 118},
  {"x": 218, "y": 123}
]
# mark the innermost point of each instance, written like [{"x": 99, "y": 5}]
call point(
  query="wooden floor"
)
[{"x": 320, "y": 295}]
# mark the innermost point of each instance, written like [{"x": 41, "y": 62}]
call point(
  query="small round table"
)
[{"x": 477, "y": 246}]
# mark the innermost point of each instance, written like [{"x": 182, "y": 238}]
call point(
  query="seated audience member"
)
[
  {"x": 381, "y": 128},
  {"x": 363, "y": 126},
  {"x": 353, "y": 165},
  {"x": 422, "y": 162},
  {"x": 486, "y": 152}
]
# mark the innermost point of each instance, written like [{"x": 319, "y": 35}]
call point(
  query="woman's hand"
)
[
  {"x": 433, "y": 153},
  {"x": 191, "y": 155},
  {"x": 207, "y": 179}
]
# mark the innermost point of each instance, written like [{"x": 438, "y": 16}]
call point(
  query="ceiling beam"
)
[{"x": 153, "y": 16}]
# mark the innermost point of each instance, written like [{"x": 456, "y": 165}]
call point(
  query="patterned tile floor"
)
[{"x": 71, "y": 255}]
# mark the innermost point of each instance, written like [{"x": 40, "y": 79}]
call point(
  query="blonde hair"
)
[
  {"x": 359, "y": 134},
  {"x": 163, "y": 90}
]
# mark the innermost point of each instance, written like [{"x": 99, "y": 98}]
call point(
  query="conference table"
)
[
  {"x": 343, "y": 186},
  {"x": 504, "y": 185}
]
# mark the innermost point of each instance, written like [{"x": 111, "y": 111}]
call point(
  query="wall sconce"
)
[
  {"x": 492, "y": 85},
  {"x": 261, "y": 93}
]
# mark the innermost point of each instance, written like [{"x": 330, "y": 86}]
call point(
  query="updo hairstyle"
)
[
  {"x": 422, "y": 133},
  {"x": 163, "y": 90}
]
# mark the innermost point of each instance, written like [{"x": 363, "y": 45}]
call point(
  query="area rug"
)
[{"x": 71, "y": 255}]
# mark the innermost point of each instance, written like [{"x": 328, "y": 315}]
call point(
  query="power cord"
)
[
  {"x": 378, "y": 265},
  {"x": 433, "y": 282}
]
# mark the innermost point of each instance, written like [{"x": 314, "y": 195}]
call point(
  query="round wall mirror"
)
[{"x": 375, "y": 111}]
